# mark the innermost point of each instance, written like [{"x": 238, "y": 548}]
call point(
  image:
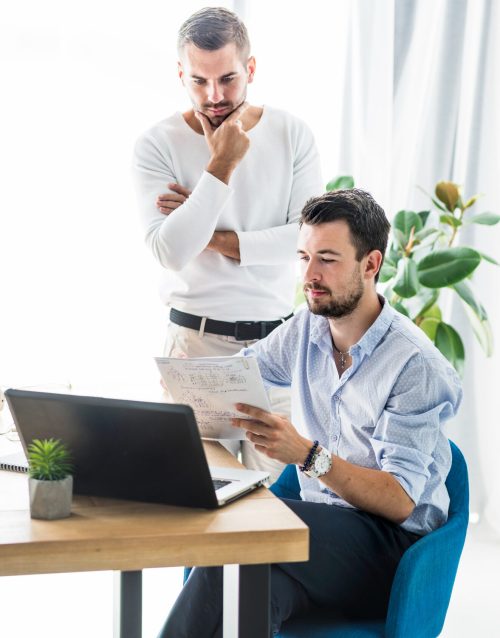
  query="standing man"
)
[
  {"x": 370, "y": 395},
  {"x": 237, "y": 177}
]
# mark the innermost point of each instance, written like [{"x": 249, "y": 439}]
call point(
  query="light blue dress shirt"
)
[{"x": 386, "y": 411}]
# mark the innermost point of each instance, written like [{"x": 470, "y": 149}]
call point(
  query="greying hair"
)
[{"x": 212, "y": 28}]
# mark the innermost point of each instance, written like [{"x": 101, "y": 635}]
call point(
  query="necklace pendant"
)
[{"x": 341, "y": 354}]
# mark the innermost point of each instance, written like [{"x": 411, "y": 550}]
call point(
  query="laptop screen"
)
[{"x": 121, "y": 449}]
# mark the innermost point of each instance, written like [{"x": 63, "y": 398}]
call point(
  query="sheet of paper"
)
[{"x": 211, "y": 386}]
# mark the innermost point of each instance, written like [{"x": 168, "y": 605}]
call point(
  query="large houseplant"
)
[
  {"x": 423, "y": 260},
  {"x": 50, "y": 480}
]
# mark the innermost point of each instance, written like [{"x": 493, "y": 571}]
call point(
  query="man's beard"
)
[
  {"x": 216, "y": 121},
  {"x": 337, "y": 306}
]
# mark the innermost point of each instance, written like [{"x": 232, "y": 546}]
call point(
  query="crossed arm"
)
[
  {"x": 227, "y": 144},
  {"x": 225, "y": 242}
]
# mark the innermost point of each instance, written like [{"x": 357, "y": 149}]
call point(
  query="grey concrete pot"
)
[{"x": 51, "y": 499}]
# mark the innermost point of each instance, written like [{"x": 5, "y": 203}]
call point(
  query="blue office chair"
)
[{"x": 422, "y": 586}]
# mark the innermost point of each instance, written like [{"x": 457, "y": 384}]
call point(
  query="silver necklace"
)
[{"x": 343, "y": 355}]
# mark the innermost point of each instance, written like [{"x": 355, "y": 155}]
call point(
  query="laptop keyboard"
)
[{"x": 218, "y": 483}]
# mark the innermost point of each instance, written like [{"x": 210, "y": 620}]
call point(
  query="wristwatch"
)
[{"x": 321, "y": 464}]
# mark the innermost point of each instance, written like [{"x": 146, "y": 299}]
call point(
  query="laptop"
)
[{"x": 133, "y": 450}]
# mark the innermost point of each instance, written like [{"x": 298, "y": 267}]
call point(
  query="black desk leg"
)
[
  {"x": 127, "y": 616},
  {"x": 246, "y": 607}
]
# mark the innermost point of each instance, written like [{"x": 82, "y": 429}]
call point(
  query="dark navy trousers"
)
[{"x": 353, "y": 559}]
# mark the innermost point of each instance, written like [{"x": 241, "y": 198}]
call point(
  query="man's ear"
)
[
  {"x": 180, "y": 71},
  {"x": 373, "y": 263},
  {"x": 251, "y": 65}
]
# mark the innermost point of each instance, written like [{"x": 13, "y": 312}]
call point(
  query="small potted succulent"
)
[{"x": 50, "y": 479}]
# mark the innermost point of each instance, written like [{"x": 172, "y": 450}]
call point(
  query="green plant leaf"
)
[
  {"x": 406, "y": 281},
  {"x": 450, "y": 220},
  {"x": 450, "y": 344},
  {"x": 471, "y": 201},
  {"x": 387, "y": 272},
  {"x": 481, "y": 330},
  {"x": 399, "y": 238},
  {"x": 489, "y": 259},
  {"x": 400, "y": 307},
  {"x": 49, "y": 460},
  {"x": 488, "y": 219},
  {"x": 429, "y": 243},
  {"x": 446, "y": 267},
  {"x": 465, "y": 292},
  {"x": 404, "y": 221},
  {"x": 477, "y": 316},
  {"x": 424, "y": 215},
  {"x": 449, "y": 194},
  {"x": 424, "y": 299},
  {"x": 340, "y": 183},
  {"x": 424, "y": 233},
  {"x": 429, "y": 325},
  {"x": 433, "y": 312},
  {"x": 438, "y": 205},
  {"x": 393, "y": 254},
  {"x": 389, "y": 259}
]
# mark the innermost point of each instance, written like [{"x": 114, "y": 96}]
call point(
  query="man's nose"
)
[
  {"x": 311, "y": 273},
  {"x": 215, "y": 94}
]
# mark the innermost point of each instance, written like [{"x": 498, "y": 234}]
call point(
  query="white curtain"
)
[{"x": 402, "y": 94}]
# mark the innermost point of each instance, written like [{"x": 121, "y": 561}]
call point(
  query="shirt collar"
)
[
  {"x": 375, "y": 333},
  {"x": 320, "y": 331}
]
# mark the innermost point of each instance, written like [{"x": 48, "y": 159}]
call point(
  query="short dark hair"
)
[
  {"x": 212, "y": 28},
  {"x": 367, "y": 221}
]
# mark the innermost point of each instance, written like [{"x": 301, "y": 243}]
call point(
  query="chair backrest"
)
[
  {"x": 287, "y": 485},
  {"x": 424, "y": 579}
]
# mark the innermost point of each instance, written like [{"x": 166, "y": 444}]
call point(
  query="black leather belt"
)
[{"x": 240, "y": 330}]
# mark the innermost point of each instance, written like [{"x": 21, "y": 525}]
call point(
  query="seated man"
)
[{"x": 370, "y": 395}]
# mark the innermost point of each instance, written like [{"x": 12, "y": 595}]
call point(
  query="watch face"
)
[{"x": 323, "y": 464}]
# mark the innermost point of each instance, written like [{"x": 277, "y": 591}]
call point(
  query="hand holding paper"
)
[{"x": 212, "y": 386}]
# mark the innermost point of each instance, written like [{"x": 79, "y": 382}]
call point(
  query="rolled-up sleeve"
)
[{"x": 425, "y": 395}]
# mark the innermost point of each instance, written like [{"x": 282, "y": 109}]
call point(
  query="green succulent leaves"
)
[{"x": 49, "y": 460}]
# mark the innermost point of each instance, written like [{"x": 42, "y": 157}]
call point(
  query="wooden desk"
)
[{"x": 105, "y": 534}]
